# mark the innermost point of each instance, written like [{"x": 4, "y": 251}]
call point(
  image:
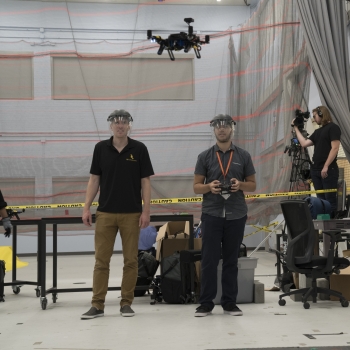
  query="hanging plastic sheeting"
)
[
  {"x": 270, "y": 78},
  {"x": 67, "y": 67}
]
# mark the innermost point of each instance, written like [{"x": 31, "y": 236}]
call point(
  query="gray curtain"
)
[{"x": 325, "y": 29}]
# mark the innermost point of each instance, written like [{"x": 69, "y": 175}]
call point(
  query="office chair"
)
[{"x": 300, "y": 252}]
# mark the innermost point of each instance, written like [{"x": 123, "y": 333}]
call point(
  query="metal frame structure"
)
[
  {"x": 54, "y": 290},
  {"x": 16, "y": 284}
]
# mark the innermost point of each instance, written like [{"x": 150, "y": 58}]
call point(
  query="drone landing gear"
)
[
  {"x": 171, "y": 55},
  {"x": 196, "y": 51}
]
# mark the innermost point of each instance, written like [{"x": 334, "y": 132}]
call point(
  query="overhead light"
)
[{"x": 218, "y": 0}]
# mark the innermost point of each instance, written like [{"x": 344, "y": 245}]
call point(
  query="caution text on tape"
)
[{"x": 167, "y": 200}]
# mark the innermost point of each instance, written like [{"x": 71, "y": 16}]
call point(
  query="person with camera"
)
[
  {"x": 121, "y": 169},
  {"x": 326, "y": 139},
  {"x": 6, "y": 222},
  {"x": 222, "y": 174}
]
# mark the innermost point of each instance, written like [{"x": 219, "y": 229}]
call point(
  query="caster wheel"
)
[
  {"x": 159, "y": 299},
  {"x": 37, "y": 292},
  {"x": 281, "y": 302},
  {"x": 16, "y": 289},
  {"x": 43, "y": 303},
  {"x": 306, "y": 306},
  {"x": 344, "y": 303},
  {"x": 54, "y": 298}
]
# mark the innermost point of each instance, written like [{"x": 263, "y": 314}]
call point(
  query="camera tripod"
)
[{"x": 300, "y": 173}]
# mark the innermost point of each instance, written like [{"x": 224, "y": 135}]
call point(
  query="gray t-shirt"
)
[{"x": 241, "y": 166}]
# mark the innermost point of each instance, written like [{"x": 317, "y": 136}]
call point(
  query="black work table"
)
[
  {"x": 16, "y": 284},
  {"x": 77, "y": 220}
]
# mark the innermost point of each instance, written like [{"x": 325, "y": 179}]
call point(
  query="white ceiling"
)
[{"x": 164, "y": 2}]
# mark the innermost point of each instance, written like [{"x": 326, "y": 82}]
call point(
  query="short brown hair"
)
[{"x": 324, "y": 113}]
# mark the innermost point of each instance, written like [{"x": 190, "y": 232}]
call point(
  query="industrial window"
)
[
  {"x": 16, "y": 77},
  {"x": 146, "y": 77}
]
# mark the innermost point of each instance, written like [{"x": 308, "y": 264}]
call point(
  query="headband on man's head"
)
[
  {"x": 119, "y": 113},
  {"x": 222, "y": 118}
]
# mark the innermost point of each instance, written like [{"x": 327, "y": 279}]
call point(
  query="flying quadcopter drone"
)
[{"x": 179, "y": 41}]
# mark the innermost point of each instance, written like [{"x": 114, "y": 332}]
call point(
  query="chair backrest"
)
[{"x": 301, "y": 232}]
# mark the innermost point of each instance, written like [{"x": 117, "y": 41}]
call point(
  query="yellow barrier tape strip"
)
[
  {"x": 166, "y": 200},
  {"x": 263, "y": 228},
  {"x": 287, "y": 194}
]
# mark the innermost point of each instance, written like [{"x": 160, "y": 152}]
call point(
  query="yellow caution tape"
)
[
  {"x": 287, "y": 194},
  {"x": 167, "y": 200},
  {"x": 263, "y": 228}
]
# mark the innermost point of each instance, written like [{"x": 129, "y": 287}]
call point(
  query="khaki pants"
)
[{"x": 107, "y": 225}]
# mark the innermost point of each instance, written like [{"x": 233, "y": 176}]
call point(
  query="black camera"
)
[{"x": 300, "y": 118}]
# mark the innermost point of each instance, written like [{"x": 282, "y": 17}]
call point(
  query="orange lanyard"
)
[{"x": 228, "y": 164}]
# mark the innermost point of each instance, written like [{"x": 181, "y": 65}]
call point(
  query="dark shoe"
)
[
  {"x": 127, "y": 311},
  {"x": 202, "y": 311},
  {"x": 233, "y": 310},
  {"x": 92, "y": 313}
]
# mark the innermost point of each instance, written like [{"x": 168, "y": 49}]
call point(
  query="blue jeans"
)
[
  {"x": 331, "y": 181},
  {"x": 220, "y": 236}
]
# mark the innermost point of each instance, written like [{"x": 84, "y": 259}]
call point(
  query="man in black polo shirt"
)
[
  {"x": 326, "y": 139},
  {"x": 222, "y": 173},
  {"x": 121, "y": 169}
]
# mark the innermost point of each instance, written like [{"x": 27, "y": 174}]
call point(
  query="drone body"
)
[{"x": 180, "y": 41}]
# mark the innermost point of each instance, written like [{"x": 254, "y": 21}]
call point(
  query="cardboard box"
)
[
  {"x": 174, "y": 236},
  {"x": 346, "y": 253},
  {"x": 168, "y": 231},
  {"x": 341, "y": 283}
]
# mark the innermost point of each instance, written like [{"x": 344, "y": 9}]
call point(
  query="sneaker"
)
[
  {"x": 233, "y": 310},
  {"x": 202, "y": 311},
  {"x": 92, "y": 313},
  {"x": 127, "y": 311}
]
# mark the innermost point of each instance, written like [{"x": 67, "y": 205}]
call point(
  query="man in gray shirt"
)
[{"x": 222, "y": 173}]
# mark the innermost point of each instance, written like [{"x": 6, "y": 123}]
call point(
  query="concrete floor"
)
[{"x": 25, "y": 326}]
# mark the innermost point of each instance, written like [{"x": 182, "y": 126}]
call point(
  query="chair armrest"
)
[{"x": 335, "y": 236}]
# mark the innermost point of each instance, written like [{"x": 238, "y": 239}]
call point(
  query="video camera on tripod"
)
[
  {"x": 299, "y": 121},
  {"x": 300, "y": 157},
  {"x": 301, "y": 118}
]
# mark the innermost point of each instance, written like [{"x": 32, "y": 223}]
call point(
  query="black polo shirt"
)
[
  {"x": 120, "y": 175},
  {"x": 322, "y": 139}
]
